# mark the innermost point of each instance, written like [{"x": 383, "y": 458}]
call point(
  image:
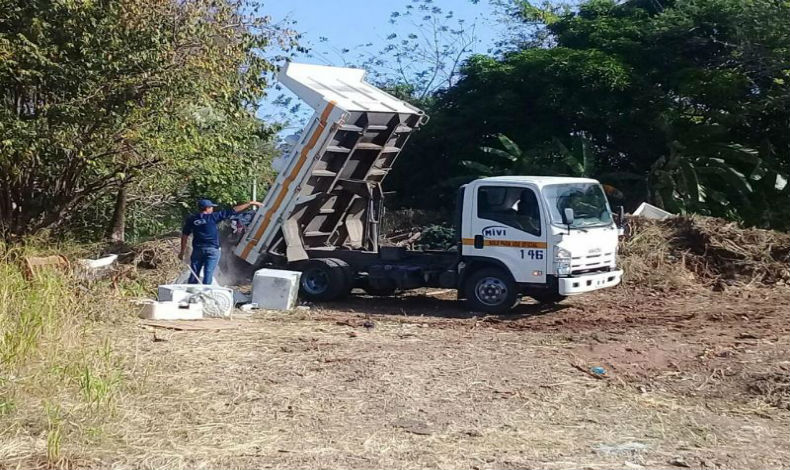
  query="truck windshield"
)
[{"x": 590, "y": 208}]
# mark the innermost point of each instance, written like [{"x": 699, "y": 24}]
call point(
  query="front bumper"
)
[{"x": 589, "y": 282}]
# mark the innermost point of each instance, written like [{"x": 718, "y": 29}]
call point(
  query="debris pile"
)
[
  {"x": 402, "y": 238},
  {"x": 432, "y": 237},
  {"x": 696, "y": 250},
  {"x": 417, "y": 230},
  {"x": 159, "y": 257}
]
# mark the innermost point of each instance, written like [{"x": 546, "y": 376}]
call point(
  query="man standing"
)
[{"x": 205, "y": 238}]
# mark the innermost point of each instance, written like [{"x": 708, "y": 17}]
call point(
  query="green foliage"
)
[
  {"x": 685, "y": 104},
  {"x": 437, "y": 237},
  {"x": 97, "y": 95},
  {"x": 509, "y": 160}
]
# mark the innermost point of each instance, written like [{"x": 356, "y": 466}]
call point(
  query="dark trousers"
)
[{"x": 203, "y": 258}]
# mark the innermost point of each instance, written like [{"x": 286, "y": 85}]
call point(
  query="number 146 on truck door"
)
[{"x": 532, "y": 254}]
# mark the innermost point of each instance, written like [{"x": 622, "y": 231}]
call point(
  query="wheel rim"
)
[
  {"x": 491, "y": 291},
  {"x": 315, "y": 281}
]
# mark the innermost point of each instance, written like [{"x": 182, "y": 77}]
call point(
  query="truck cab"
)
[{"x": 540, "y": 236}]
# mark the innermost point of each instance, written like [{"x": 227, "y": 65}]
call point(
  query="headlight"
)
[{"x": 562, "y": 261}]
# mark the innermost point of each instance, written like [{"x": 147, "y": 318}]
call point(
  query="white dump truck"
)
[{"x": 537, "y": 236}]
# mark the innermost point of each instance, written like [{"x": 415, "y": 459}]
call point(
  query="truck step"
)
[
  {"x": 377, "y": 172},
  {"x": 324, "y": 173},
  {"x": 326, "y": 211},
  {"x": 337, "y": 149},
  {"x": 316, "y": 234},
  {"x": 402, "y": 129},
  {"x": 351, "y": 128},
  {"x": 377, "y": 128},
  {"x": 390, "y": 150}
]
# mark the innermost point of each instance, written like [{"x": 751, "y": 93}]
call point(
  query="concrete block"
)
[
  {"x": 169, "y": 310},
  {"x": 275, "y": 289},
  {"x": 650, "y": 211},
  {"x": 217, "y": 301}
]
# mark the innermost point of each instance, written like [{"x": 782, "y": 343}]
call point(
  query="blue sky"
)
[
  {"x": 346, "y": 23},
  {"x": 328, "y": 27}
]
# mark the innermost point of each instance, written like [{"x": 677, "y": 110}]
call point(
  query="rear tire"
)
[
  {"x": 323, "y": 279},
  {"x": 348, "y": 276},
  {"x": 491, "y": 290}
]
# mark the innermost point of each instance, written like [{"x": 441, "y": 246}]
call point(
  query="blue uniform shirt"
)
[{"x": 203, "y": 228}]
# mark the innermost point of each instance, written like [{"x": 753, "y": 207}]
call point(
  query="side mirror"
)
[
  {"x": 621, "y": 216},
  {"x": 567, "y": 216}
]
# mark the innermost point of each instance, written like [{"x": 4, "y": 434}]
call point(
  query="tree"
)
[
  {"x": 516, "y": 96},
  {"x": 422, "y": 53},
  {"x": 99, "y": 95},
  {"x": 657, "y": 88}
]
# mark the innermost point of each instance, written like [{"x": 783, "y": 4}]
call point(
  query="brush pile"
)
[
  {"x": 695, "y": 250},
  {"x": 157, "y": 260}
]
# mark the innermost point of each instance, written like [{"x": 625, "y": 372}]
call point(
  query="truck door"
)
[{"x": 506, "y": 224}]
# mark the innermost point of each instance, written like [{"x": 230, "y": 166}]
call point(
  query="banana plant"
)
[
  {"x": 509, "y": 160},
  {"x": 683, "y": 182},
  {"x": 580, "y": 160}
]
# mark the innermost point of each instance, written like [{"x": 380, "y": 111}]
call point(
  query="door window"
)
[{"x": 511, "y": 206}]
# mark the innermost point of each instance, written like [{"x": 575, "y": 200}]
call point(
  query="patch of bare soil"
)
[
  {"x": 698, "y": 380},
  {"x": 696, "y": 343}
]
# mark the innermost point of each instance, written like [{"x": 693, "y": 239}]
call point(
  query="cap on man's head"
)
[{"x": 204, "y": 203}]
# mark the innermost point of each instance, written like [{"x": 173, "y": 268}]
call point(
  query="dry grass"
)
[
  {"x": 704, "y": 252},
  {"x": 303, "y": 392},
  {"x": 723, "y": 251},
  {"x": 59, "y": 374},
  {"x": 647, "y": 258}
]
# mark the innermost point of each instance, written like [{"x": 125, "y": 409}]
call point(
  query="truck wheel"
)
[
  {"x": 322, "y": 279},
  {"x": 348, "y": 276},
  {"x": 491, "y": 290},
  {"x": 549, "y": 297}
]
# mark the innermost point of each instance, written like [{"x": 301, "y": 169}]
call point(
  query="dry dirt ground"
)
[{"x": 695, "y": 379}]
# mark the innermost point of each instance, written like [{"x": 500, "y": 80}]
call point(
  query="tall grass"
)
[
  {"x": 57, "y": 378},
  {"x": 30, "y": 312}
]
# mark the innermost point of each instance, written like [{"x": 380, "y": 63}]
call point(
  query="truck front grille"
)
[{"x": 592, "y": 263}]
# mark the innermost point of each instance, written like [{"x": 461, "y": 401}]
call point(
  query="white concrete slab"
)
[
  {"x": 650, "y": 211},
  {"x": 275, "y": 289},
  {"x": 169, "y": 310}
]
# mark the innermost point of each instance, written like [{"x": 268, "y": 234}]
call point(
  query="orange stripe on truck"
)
[
  {"x": 507, "y": 243},
  {"x": 267, "y": 218}
]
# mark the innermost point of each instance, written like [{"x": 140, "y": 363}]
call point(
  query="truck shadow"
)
[{"x": 416, "y": 305}]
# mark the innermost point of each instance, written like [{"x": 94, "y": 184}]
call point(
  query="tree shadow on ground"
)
[{"x": 421, "y": 305}]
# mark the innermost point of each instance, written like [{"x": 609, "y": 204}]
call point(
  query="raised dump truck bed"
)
[{"x": 328, "y": 195}]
